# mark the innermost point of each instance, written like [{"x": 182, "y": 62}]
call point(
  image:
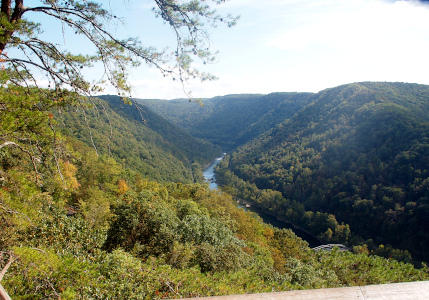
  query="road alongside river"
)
[{"x": 210, "y": 177}]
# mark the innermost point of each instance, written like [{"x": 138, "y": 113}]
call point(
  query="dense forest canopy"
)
[
  {"x": 98, "y": 200},
  {"x": 112, "y": 232},
  {"x": 231, "y": 120},
  {"x": 156, "y": 149},
  {"x": 195, "y": 149},
  {"x": 133, "y": 225},
  {"x": 101, "y": 201},
  {"x": 352, "y": 166}
]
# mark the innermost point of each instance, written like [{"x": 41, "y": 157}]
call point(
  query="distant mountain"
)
[
  {"x": 194, "y": 149},
  {"x": 81, "y": 225},
  {"x": 157, "y": 149},
  {"x": 230, "y": 121},
  {"x": 349, "y": 163},
  {"x": 359, "y": 152}
]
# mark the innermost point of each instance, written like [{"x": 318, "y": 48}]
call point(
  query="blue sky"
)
[{"x": 289, "y": 45}]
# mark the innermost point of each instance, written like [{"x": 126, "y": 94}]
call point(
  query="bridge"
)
[
  {"x": 329, "y": 247},
  {"x": 396, "y": 291}
]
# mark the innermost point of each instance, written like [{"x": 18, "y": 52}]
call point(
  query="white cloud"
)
[
  {"x": 307, "y": 45},
  {"x": 361, "y": 23}
]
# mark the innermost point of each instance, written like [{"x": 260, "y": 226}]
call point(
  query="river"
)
[
  {"x": 209, "y": 174},
  {"x": 210, "y": 177}
]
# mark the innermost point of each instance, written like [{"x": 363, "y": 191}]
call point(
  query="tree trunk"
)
[
  {"x": 3, "y": 294},
  {"x": 12, "y": 17}
]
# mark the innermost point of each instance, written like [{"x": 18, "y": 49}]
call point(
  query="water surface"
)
[{"x": 210, "y": 176}]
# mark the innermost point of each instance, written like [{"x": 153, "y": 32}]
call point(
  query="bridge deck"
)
[
  {"x": 329, "y": 247},
  {"x": 395, "y": 291}
]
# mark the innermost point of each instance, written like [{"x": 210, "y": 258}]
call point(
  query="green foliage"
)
[
  {"x": 181, "y": 144},
  {"x": 173, "y": 241},
  {"x": 125, "y": 273},
  {"x": 389, "y": 252},
  {"x": 349, "y": 268},
  {"x": 149, "y": 225},
  {"x": 33, "y": 53},
  {"x": 144, "y": 225},
  {"x": 232, "y": 120},
  {"x": 357, "y": 152},
  {"x": 28, "y": 142},
  {"x": 104, "y": 231},
  {"x": 311, "y": 275},
  {"x": 114, "y": 129},
  {"x": 60, "y": 233}
]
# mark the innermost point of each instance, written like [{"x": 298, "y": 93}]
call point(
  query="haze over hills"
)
[
  {"x": 104, "y": 200},
  {"x": 358, "y": 155},
  {"x": 232, "y": 120},
  {"x": 194, "y": 149},
  {"x": 157, "y": 149},
  {"x": 142, "y": 224},
  {"x": 351, "y": 153}
]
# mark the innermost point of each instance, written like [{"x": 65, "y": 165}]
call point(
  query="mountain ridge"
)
[
  {"x": 355, "y": 148},
  {"x": 238, "y": 117}
]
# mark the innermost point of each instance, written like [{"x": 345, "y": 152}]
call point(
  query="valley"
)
[
  {"x": 110, "y": 201},
  {"x": 210, "y": 177},
  {"x": 329, "y": 160},
  {"x": 107, "y": 195}
]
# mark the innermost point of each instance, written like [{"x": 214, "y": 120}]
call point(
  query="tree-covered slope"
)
[
  {"x": 133, "y": 238},
  {"x": 158, "y": 149},
  {"x": 358, "y": 154},
  {"x": 195, "y": 149},
  {"x": 77, "y": 225},
  {"x": 232, "y": 120}
]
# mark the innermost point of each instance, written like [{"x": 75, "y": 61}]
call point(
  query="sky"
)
[{"x": 288, "y": 46}]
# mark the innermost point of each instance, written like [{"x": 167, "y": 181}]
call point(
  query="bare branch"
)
[
  {"x": 6, "y": 267},
  {"x": 8, "y": 210},
  {"x": 33, "y": 158},
  {"x": 7, "y": 144}
]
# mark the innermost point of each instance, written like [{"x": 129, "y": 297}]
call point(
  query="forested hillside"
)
[
  {"x": 351, "y": 167},
  {"x": 195, "y": 149},
  {"x": 232, "y": 120},
  {"x": 77, "y": 225},
  {"x": 140, "y": 140}
]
